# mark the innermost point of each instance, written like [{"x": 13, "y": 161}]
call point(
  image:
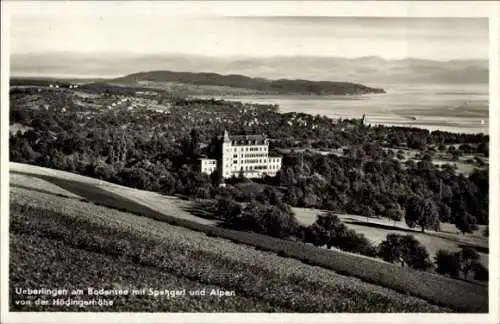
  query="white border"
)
[
  {"x": 489, "y": 9},
  {"x": 261, "y": 8}
]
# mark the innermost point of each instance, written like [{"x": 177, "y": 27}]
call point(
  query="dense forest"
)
[
  {"x": 158, "y": 151},
  {"x": 282, "y": 86}
]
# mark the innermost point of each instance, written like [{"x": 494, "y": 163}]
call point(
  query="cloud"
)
[{"x": 392, "y": 38}]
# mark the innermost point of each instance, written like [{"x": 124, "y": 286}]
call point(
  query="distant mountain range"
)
[{"x": 373, "y": 71}]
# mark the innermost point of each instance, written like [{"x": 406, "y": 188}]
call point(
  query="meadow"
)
[
  {"x": 376, "y": 231},
  {"x": 143, "y": 241},
  {"x": 160, "y": 205},
  {"x": 66, "y": 243}
]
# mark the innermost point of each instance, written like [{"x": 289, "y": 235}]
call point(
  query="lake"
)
[{"x": 455, "y": 108}]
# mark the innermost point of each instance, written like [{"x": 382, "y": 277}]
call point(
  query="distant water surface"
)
[{"x": 456, "y": 108}]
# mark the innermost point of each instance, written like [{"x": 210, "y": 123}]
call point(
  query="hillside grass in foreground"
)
[
  {"x": 58, "y": 242},
  {"x": 458, "y": 295},
  {"x": 437, "y": 289}
]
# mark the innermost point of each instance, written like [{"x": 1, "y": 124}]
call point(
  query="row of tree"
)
[{"x": 329, "y": 231}]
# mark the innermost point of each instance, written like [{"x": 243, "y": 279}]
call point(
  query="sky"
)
[{"x": 389, "y": 38}]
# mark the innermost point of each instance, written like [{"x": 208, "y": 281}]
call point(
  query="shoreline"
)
[
  {"x": 431, "y": 122},
  {"x": 431, "y": 128}
]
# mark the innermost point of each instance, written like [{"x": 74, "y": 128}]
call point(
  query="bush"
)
[
  {"x": 325, "y": 229},
  {"x": 270, "y": 220},
  {"x": 200, "y": 192},
  {"x": 395, "y": 212},
  {"x": 416, "y": 255},
  {"x": 448, "y": 263},
  {"x": 406, "y": 250},
  {"x": 465, "y": 222},
  {"x": 468, "y": 259},
  {"x": 330, "y": 231},
  {"x": 355, "y": 242},
  {"x": 391, "y": 250},
  {"x": 480, "y": 272},
  {"x": 227, "y": 209},
  {"x": 278, "y": 222}
]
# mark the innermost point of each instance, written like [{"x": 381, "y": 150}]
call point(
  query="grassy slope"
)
[
  {"x": 436, "y": 288},
  {"x": 64, "y": 242},
  {"x": 374, "y": 229}
]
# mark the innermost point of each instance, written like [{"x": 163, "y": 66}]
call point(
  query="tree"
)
[
  {"x": 391, "y": 249},
  {"x": 265, "y": 219},
  {"x": 351, "y": 241},
  {"x": 395, "y": 212},
  {"x": 415, "y": 254},
  {"x": 427, "y": 157},
  {"x": 104, "y": 171},
  {"x": 324, "y": 229},
  {"x": 421, "y": 212},
  {"x": 484, "y": 148},
  {"x": 456, "y": 154},
  {"x": 444, "y": 213},
  {"x": 279, "y": 223},
  {"x": 330, "y": 231},
  {"x": 468, "y": 258},
  {"x": 448, "y": 263},
  {"x": 368, "y": 212},
  {"x": 195, "y": 142},
  {"x": 291, "y": 196},
  {"x": 227, "y": 209},
  {"x": 465, "y": 222},
  {"x": 406, "y": 250},
  {"x": 269, "y": 195}
]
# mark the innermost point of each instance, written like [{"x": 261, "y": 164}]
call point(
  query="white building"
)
[
  {"x": 247, "y": 154},
  {"x": 208, "y": 166}
]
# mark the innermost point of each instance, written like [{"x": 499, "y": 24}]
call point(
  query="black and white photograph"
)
[{"x": 169, "y": 158}]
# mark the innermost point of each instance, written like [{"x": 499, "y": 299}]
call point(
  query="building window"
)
[{"x": 235, "y": 161}]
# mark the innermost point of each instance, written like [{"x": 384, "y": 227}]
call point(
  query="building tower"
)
[{"x": 226, "y": 156}]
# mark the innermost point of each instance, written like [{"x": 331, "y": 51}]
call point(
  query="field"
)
[
  {"x": 54, "y": 238},
  {"x": 374, "y": 229},
  {"x": 65, "y": 227}
]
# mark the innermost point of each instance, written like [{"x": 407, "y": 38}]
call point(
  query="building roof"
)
[
  {"x": 248, "y": 139},
  {"x": 251, "y": 139}
]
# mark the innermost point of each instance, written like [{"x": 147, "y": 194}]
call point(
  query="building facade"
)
[
  {"x": 243, "y": 154},
  {"x": 208, "y": 166}
]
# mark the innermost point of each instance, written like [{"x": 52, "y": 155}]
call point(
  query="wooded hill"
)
[{"x": 281, "y": 86}]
